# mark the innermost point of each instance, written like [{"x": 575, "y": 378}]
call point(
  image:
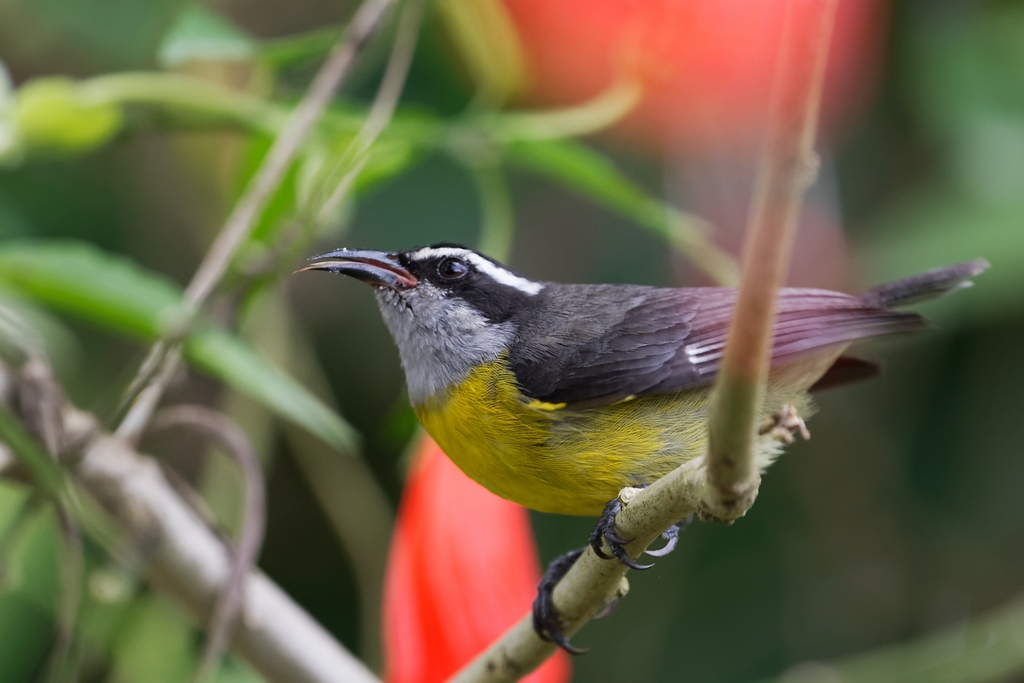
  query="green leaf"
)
[
  {"x": 28, "y": 328},
  {"x": 595, "y": 176},
  {"x": 281, "y": 205},
  {"x": 300, "y": 48},
  {"x": 324, "y": 169},
  {"x": 113, "y": 292},
  {"x": 488, "y": 43},
  {"x": 200, "y": 35},
  {"x": 156, "y": 644},
  {"x": 51, "y": 115},
  {"x": 79, "y": 279},
  {"x": 234, "y": 362},
  {"x": 29, "y": 584}
]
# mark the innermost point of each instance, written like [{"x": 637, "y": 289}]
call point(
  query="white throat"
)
[{"x": 439, "y": 340}]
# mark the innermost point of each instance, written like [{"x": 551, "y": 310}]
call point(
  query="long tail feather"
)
[{"x": 930, "y": 285}]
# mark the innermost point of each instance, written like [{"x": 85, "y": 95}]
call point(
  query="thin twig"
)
[
  {"x": 337, "y": 67},
  {"x": 362, "y": 519},
  {"x": 190, "y": 564},
  {"x": 15, "y": 528},
  {"x": 348, "y": 493},
  {"x": 250, "y": 536},
  {"x": 185, "y": 559},
  {"x": 497, "y": 223},
  {"x": 40, "y": 401},
  {"x": 383, "y": 107},
  {"x": 594, "y": 115},
  {"x": 788, "y": 166},
  {"x": 592, "y": 582},
  {"x": 240, "y": 222},
  {"x": 62, "y": 666},
  {"x": 147, "y": 388}
]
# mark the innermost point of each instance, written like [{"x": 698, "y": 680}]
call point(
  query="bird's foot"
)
[
  {"x": 546, "y": 620},
  {"x": 605, "y": 531},
  {"x": 671, "y": 536},
  {"x": 784, "y": 425}
]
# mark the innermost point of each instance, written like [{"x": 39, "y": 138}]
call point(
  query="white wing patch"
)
[
  {"x": 702, "y": 353},
  {"x": 488, "y": 268}
]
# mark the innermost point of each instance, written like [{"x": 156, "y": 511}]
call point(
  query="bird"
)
[{"x": 557, "y": 396}]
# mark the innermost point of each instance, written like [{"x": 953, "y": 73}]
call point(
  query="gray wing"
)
[{"x": 595, "y": 345}]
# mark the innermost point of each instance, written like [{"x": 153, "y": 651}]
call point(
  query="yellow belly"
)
[{"x": 573, "y": 462}]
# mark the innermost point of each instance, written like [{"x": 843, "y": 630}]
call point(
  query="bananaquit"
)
[{"x": 557, "y": 396}]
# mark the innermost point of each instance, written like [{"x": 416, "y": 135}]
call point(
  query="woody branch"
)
[
  {"x": 723, "y": 484},
  {"x": 139, "y": 511}
]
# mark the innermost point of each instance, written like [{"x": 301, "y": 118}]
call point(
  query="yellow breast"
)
[{"x": 552, "y": 459}]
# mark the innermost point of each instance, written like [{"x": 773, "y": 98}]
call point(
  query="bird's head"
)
[{"x": 448, "y": 308}]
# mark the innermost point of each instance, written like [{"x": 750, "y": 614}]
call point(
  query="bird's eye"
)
[{"x": 452, "y": 269}]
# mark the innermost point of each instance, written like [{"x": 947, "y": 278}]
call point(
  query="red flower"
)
[
  {"x": 463, "y": 569},
  {"x": 708, "y": 64}
]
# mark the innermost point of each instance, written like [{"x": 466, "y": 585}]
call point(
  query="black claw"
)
[
  {"x": 546, "y": 620},
  {"x": 671, "y": 536},
  {"x": 607, "y": 609},
  {"x": 604, "y": 531}
]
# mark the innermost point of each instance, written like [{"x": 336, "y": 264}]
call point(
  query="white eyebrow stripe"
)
[
  {"x": 489, "y": 268},
  {"x": 502, "y": 276},
  {"x": 435, "y": 252}
]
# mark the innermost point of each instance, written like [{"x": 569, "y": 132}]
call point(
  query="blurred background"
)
[{"x": 901, "y": 517}]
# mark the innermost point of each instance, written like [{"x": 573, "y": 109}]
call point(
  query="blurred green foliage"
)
[{"x": 902, "y": 516}]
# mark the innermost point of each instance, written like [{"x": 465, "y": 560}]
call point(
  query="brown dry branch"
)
[
  {"x": 788, "y": 166},
  {"x": 250, "y": 536},
  {"x": 160, "y": 364},
  {"x": 16, "y": 525},
  {"x": 64, "y": 655},
  {"x": 723, "y": 484},
  {"x": 328, "y": 197},
  {"x": 182, "y": 557},
  {"x": 38, "y": 398},
  {"x": 382, "y": 108},
  {"x": 348, "y": 494}
]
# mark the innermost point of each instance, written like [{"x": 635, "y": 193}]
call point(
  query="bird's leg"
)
[
  {"x": 785, "y": 425},
  {"x": 671, "y": 536},
  {"x": 546, "y": 620},
  {"x": 604, "y": 530}
]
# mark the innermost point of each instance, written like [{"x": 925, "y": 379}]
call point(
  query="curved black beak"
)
[{"x": 377, "y": 268}]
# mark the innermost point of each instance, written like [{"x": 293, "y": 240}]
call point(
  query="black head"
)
[{"x": 443, "y": 270}]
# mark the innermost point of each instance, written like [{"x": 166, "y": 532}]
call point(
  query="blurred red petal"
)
[
  {"x": 707, "y": 64},
  {"x": 463, "y": 569}
]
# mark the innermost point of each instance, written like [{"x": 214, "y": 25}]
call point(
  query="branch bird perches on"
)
[{"x": 724, "y": 483}]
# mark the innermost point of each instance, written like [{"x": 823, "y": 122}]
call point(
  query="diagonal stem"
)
[
  {"x": 788, "y": 165},
  {"x": 250, "y": 538},
  {"x": 383, "y": 107},
  {"x": 165, "y": 357},
  {"x": 723, "y": 484},
  {"x": 120, "y": 497}
]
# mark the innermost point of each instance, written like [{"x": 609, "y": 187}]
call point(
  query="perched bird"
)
[{"x": 557, "y": 396}]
